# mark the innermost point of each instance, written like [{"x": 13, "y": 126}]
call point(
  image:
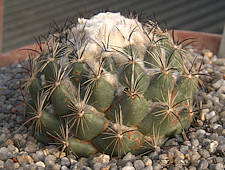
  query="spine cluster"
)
[{"x": 110, "y": 84}]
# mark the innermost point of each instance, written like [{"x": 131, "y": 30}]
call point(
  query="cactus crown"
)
[{"x": 110, "y": 84}]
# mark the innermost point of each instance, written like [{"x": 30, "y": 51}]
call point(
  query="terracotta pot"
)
[
  {"x": 202, "y": 41},
  {"x": 17, "y": 55}
]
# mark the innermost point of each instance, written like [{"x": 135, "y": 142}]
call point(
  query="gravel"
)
[{"x": 204, "y": 149}]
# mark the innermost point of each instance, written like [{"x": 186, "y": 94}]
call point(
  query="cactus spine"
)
[{"x": 110, "y": 85}]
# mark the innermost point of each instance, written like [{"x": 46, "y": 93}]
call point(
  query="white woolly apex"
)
[
  {"x": 111, "y": 30},
  {"x": 114, "y": 25}
]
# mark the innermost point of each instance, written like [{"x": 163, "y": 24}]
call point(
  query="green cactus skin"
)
[
  {"x": 151, "y": 56},
  {"x": 49, "y": 70},
  {"x": 44, "y": 121},
  {"x": 140, "y": 78},
  {"x": 187, "y": 87},
  {"x": 79, "y": 73},
  {"x": 159, "y": 86},
  {"x": 44, "y": 138},
  {"x": 102, "y": 95},
  {"x": 129, "y": 97},
  {"x": 50, "y": 122},
  {"x": 164, "y": 123},
  {"x": 131, "y": 106},
  {"x": 176, "y": 59},
  {"x": 88, "y": 124},
  {"x": 118, "y": 143},
  {"x": 81, "y": 148},
  {"x": 34, "y": 88},
  {"x": 60, "y": 100}
]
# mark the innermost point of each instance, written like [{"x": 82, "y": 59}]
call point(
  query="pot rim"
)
[{"x": 203, "y": 40}]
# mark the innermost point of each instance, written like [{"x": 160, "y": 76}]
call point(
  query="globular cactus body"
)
[{"x": 113, "y": 86}]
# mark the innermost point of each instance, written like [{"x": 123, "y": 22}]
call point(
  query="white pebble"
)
[
  {"x": 215, "y": 100},
  {"x": 128, "y": 168},
  {"x": 210, "y": 115},
  {"x": 200, "y": 132},
  {"x": 221, "y": 90},
  {"x": 218, "y": 84},
  {"x": 215, "y": 126},
  {"x": 222, "y": 97},
  {"x": 212, "y": 146},
  {"x": 205, "y": 111},
  {"x": 40, "y": 164}
]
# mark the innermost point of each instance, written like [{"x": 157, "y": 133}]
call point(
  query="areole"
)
[{"x": 124, "y": 52}]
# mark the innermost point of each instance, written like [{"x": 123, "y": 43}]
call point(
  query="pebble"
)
[
  {"x": 195, "y": 156},
  {"x": 129, "y": 163},
  {"x": 187, "y": 143},
  {"x": 128, "y": 168},
  {"x": 31, "y": 147},
  {"x": 214, "y": 119},
  {"x": 50, "y": 160},
  {"x": 139, "y": 164},
  {"x": 184, "y": 149},
  {"x": 204, "y": 153},
  {"x": 192, "y": 168},
  {"x": 164, "y": 162},
  {"x": 204, "y": 149},
  {"x": 129, "y": 156},
  {"x": 218, "y": 166},
  {"x": 207, "y": 54},
  {"x": 65, "y": 161},
  {"x": 212, "y": 147},
  {"x": 3, "y": 137},
  {"x": 163, "y": 157},
  {"x": 103, "y": 158},
  {"x": 205, "y": 111},
  {"x": 219, "y": 159},
  {"x": 13, "y": 149},
  {"x": 157, "y": 166},
  {"x": 1, "y": 164},
  {"x": 221, "y": 149},
  {"x": 219, "y": 83},
  {"x": 221, "y": 90},
  {"x": 24, "y": 159},
  {"x": 179, "y": 154},
  {"x": 40, "y": 164},
  {"x": 39, "y": 155},
  {"x": 210, "y": 115},
  {"x": 5, "y": 154},
  {"x": 97, "y": 166},
  {"x": 147, "y": 161},
  {"x": 195, "y": 142},
  {"x": 203, "y": 164},
  {"x": 17, "y": 165},
  {"x": 64, "y": 168},
  {"x": 147, "y": 168},
  {"x": 154, "y": 155},
  {"x": 221, "y": 139},
  {"x": 113, "y": 167},
  {"x": 9, "y": 164}
]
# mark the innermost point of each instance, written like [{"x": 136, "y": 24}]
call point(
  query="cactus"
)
[{"x": 110, "y": 85}]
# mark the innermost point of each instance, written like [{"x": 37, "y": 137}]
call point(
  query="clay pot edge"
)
[{"x": 202, "y": 41}]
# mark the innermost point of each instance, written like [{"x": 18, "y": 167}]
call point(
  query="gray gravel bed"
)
[{"x": 204, "y": 149}]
